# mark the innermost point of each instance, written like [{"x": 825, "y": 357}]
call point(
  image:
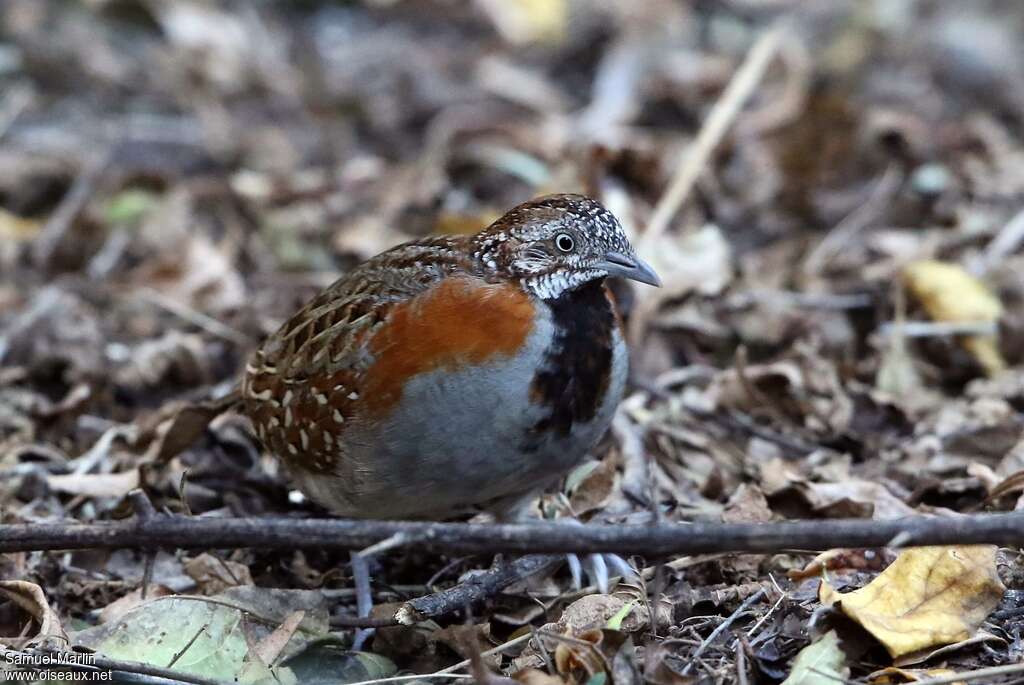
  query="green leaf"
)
[
  {"x": 615, "y": 622},
  {"x": 129, "y": 206}
]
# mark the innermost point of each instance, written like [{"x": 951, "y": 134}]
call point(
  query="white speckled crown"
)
[{"x": 521, "y": 243}]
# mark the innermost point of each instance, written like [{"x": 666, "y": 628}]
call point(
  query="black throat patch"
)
[{"x": 577, "y": 370}]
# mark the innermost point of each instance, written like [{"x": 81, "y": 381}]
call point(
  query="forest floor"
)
[{"x": 840, "y": 332}]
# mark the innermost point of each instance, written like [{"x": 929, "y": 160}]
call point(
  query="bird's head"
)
[{"x": 558, "y": 243}]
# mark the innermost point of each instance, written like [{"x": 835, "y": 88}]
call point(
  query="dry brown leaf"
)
[
  {"x": 929, "y": 596},
  {"x": 701, "y": 262},
  {"x": 198, "y": 275},
  {"x": 854, "y": 498},
  {"x": 573, "y": 656},
  {"x": 214, "y": 575},
  {"x": 848, "y": 498},
  {"x": 949, "y": 293},
  {"x": 843, "y": 560},
  {"x": 31, "y": 599},
  {"x": 747, "y": 505},
  {"x": 596, "y": 486},
  {"x": 177, "y": 426},
  {"x": 1012, "y": 484},
  {"x": 594, "y": 611},
  {"x": 661, "y": 669},
  {"x": 270, "y": 647}
]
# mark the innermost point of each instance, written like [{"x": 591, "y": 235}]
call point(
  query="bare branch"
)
[
  {"x": 649, "y": 540},
  {"x": 474, "y": 590},
  {"x": 743, "y": 83}
]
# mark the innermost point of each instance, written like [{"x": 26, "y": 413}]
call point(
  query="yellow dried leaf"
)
[
  {"x": 929, "y": 596},
  {"x": 948, "y": 293},
  {"x": 16, "y": 228},
  {"x": 529, "y": 21}
]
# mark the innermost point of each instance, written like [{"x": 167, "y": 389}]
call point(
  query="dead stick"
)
[
  {"x": 743, "y": 83},
  {"x": 460, "y": 538},
  {"x": 468, "y": 593},
  {"x": 474, "y": 590}
]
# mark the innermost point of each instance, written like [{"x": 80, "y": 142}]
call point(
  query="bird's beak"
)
[{"x": 626, "y": 266}]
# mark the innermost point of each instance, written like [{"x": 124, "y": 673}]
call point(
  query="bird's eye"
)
[{"x": 564, "y": 242}]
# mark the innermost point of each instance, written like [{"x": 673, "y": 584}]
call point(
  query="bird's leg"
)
[
  {"x": 361, "y": 578},
  {"x": 364, "y": 598},
  {"x": 522, "y": 509}
]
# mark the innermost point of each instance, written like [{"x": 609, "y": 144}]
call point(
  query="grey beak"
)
[{"x": 626, "y": 266}]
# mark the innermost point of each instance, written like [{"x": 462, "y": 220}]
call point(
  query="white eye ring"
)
[{"x": 564, "y": 242}]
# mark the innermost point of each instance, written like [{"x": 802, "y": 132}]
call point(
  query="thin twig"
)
[
  {"x": 715, "y": 126},
  {"x": 490, "y": 652},
  {"x": 203, "y": 321},
  {"x": 18, "y": 98},
  {"x": 188, "y": 645},
  {"x": 936, "y": 329},
  {"x": 747, "y": 603},
  {"x": 1006, "y": 241},
  {"x": 743, "y": 300},
  {"x": 349, "y": 621},
  {"x": 56, "y": 227},
  {"x": 853, "y": 223}
]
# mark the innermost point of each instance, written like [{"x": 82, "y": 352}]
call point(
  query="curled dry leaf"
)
[
  {"x": 594, "y": 611},
  {"x": 949, "y": 293},
  {"x": 701, "y": 261},
  {"x": 269, "y": 648},
  {"x": 929, "y": 596},
  {"x": 849, "y": 498},
  {"x": 199, "y": 275},
  {"x": 30, "y": 598},
  {"x": 214, "y": 575},
  {"x": 843, "y": 560},
  {"x": 594, "y": 486},
  {"x": 95, "y": 484},
  {"x": 177, "y": 426},
  {"x": 582, "y": 652},
  {"x": 893, "y": 675},
  {"x": 747, "y": 505},
  {"x": 926, "y": 655}
]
